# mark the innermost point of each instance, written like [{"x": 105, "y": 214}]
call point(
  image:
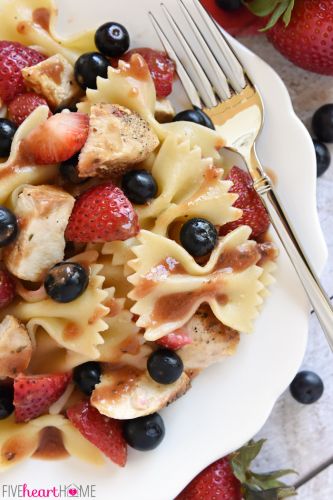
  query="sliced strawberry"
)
[
  {"x": 175, "y": 340},
  {"x": 161, "y": 67},
  {"x": 57, "y": 139},
  {"x": 13, "y": 58},
  {"x": 34, "y": 394},
  {"x": 101, "y": 214},
  {"x": 254, "y": 212},
  {"x": 104, "y": 432},
  {"x": 23, "y": 105},
  {"x": 7, "y": 289}
]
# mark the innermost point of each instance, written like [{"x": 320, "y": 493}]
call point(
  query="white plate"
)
[{"x": 230, "y": 402}]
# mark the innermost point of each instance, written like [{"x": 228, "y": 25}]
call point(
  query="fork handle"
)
[{"x": 310, "y": 281}]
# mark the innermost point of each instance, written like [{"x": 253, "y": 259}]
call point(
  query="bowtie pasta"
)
[{"x": 146, "y": 295}]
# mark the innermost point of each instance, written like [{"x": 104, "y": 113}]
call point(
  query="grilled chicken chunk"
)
[
  {"x": 129, "y": 393},
  {"x": 211, "y": 341},
  {"x": 53, "y": 79},
  {"x": 43, "y": 213},
  {"x": 118, "y": 138},
  {"x": 15, "y": 347}
]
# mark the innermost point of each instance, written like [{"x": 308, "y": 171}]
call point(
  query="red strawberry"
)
[
  {"x": 302, "y": 30},
  {"x": 254, "y": 212},
  {"x": 230, "y": 479},
  {"x": 34, "y": 394},
  {"x": 100, "y": 214},
  {"x": 238, "y": 22},
  {"x": 175, "y": 340},
  {"x": 23, "y": 105},
  {"x": 217, "y": 481},
  {"x": 13, "y": 58},
  {"x": 104, "y": 432},
  {"x": 161, "y": 67},
  {"x": 7, "y": 289},
  {"x": 57, "y": 139}
]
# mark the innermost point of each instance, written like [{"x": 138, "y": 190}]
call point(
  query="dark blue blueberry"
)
[
  {"x": 195, "y": 115},
  {"x": 322, "y": 123},
  {"x": 307, "y": 387},
  {"x": 8, "y": 227},
  {"x": 7, "y": 132},
  {"x": 199, "y": 237},
  {"x": 144, "y": 433},
  {"x": 139, "y": 186},
  {"x": 165, "y": 366},
  {"x": 87, "y": 376},
  {"x": 6, "y": 401},
  {"x": 88, "y": 67},
  {"x": 323, "y": 157},
  {"x": 66, "y": 281},
  {"x": 112, "y": 39},
  {"x": 69, "y": 172}
]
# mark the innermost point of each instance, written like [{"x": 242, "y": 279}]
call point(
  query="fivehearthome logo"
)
[{"x": 13, "y": 491}]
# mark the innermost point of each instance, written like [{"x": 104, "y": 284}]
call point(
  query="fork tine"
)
[
  {"x": 225, "y": 55},
  {"x": 216, "y": 75},
  {"x": 192, "y": 64},
  {"x": 185, "y": 79}
]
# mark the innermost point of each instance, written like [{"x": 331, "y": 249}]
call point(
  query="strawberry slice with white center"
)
[
  {"x": 175, "y": 340},
  {"x": 57, "y": 139},
  {"x": 34, "y": 394},
  {"x": 104, "y": 432}
]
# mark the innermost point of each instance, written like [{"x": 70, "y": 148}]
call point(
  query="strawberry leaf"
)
[
  {"x": 272, "y": 494},
  {"x": 241, "y": 459},
  {"x": 262, "y": 8},
  {"x": 269, "y": 479},
  {"x": 278, "y": 8}
]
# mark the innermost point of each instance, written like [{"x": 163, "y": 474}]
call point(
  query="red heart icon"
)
[{"x": 72, "y": 492}]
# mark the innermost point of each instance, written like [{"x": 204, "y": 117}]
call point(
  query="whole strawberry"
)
[
  {"x": 13, "y": 58},
  {"x": 231, "y": 479},
  {"x": 23, "y": 105},
  {"x": 302, "y": 30},
  {"x": 254, "y": 212},
  {"x": 7, "y": 289},
  {"x": 102, "y": 214}
]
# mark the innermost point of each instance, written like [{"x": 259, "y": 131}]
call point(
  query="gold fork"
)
[{"x": 215, "y": 81}]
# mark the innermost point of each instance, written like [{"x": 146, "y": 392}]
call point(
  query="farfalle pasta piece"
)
[
  {"x": 32, "y": 22},
  {"x": 76, "y": 326},
  {"x": 212, "y": 201},
  {"x": 20, "y": 441},
  {"x": 169, "y": 285},
  {"x": 130, "y": 85},
  {"x": 178, "y": 170},
  {"x": 16, "y": 172}
]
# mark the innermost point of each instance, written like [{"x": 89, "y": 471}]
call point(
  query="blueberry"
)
[
  {"x": 68, "y": 170},
  {"x": 322, "y": 123},
  {"x": 7, "y": 132},
  {"x": 144, "y": 433},
  {"x": 323, "y": 157},
  {"x": 229, "y": 5},
  {"x": 66, "y": 281},
  {"x": 8, "y": 227},
  {"x": 165, "y": 366},
  {"x": 6, "y": 401},
  {"x": 307, "y": 387},
  {"x": 198, "y": 237},
  {"x": 195, "y": 115},
  {"x": 112, "y": 39},
  {"x": 139, "y": 186},
  {"x": 88, "y": 67},
  {"x": 87, "y": 376}
]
